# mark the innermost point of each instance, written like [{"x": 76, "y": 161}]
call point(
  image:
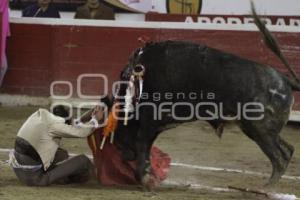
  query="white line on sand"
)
[
  {"x": 201, "y": 186},
  {"x": 195, "y": 186},
  {"x": 5, "y": 150},
  {"x": 204, "y": 168}
]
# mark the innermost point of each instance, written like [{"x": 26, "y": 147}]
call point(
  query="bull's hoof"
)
[
  {"x": 273, "y": 180},
  {"x": 270, "y": 184},
  {"x": 148, "y": 183}
]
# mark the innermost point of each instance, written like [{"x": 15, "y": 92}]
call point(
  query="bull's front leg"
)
[
  {"x": 143, "y": 162},
  {"x": 145, "y": 139}
]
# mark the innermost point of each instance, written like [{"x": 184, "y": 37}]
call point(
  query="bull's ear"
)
[
  {"x": 107, "y": 101},
  {"x": 122, "y": 74}
]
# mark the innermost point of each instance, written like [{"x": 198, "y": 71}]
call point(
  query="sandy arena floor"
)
[{"x": 192, "y": 143}]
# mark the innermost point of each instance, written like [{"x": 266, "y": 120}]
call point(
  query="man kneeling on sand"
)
[{"x": 37, "y": 159}]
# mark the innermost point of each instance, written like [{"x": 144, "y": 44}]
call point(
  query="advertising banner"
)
[{"x": 186, "y": 7}]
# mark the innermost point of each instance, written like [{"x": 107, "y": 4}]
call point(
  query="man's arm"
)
[
  {"x": 87, "y": 116},
  {"x": 80, "y": 131},
  {"x": 69, "y": 131}
]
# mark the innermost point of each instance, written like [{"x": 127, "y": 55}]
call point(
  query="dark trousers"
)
[{"x": 64, "y": 170}]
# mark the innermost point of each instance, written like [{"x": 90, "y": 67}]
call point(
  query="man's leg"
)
[
  {"x": 60, "y": 156},
  {"x": 73, "y": 170},
  {"x": 76, "y": 169},
  {"x": 3, "y": 69},
  {"x": 30, "y": 177}
]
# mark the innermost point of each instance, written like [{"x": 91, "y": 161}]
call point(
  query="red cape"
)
[{"x": 111, "y": 170}]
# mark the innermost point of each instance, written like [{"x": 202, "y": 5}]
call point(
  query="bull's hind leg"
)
[
  {"x": 279, "y": 152},
  {"x": 275, "y": 148}
]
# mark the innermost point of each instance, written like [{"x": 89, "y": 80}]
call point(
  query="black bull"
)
[
  {"x": 213, "y": 76},
  {"x": 211, "y": 85}
]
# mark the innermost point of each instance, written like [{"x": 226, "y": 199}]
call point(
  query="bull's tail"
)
[
  {"x": 272, "y": 44},
  {"x": 295, "y": 86}
]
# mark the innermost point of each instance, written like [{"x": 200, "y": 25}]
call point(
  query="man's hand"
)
[{"x": 98, "y": 113}]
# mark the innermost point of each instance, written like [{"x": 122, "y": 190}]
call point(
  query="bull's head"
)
[
  {"x": 126, "y": 134},
  {"x": 133, "y": 65}
]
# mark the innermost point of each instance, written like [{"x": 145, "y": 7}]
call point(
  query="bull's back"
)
[{"x": 187, "y": 67}]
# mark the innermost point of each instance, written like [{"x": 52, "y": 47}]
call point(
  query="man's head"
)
[
  {"x": 63, "y": 112},
  {"x": 93, "y": 3},
  {"x": 43, "y": 3}
]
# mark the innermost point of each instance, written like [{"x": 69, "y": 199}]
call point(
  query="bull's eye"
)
[{"x": 139, "y": 70}]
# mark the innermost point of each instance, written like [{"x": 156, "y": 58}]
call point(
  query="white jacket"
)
[{"x": 43, "y": 130}]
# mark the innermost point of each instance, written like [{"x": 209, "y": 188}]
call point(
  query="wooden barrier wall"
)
[{"x": 40, "y": 54}]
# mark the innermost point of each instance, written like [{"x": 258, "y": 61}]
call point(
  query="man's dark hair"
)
[
  {"x": 106, "y": 101},
  {"x": 63, "y": 112}
]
